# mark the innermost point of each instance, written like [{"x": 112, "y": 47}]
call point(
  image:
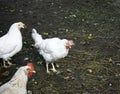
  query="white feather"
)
[
  {"x": 17, "y": 85},
  {"x": 10, "y": 43},
  {"x": 51, "y": 49}
]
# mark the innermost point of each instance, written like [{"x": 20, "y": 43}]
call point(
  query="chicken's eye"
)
[
  {"x": 28, "y": 69},
  {"x": 18, "y": 24}
]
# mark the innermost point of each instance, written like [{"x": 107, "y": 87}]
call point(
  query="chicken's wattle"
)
[{"x": 67, "y": 46}]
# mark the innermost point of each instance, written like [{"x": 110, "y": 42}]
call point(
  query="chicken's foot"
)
[
  {"x": 53, "y": 68},
  {"x": 8, "y": 62}
]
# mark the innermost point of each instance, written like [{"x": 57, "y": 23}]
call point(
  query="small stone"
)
[
  {"x": 68, "y": 70},
  {"x": 25, "y": 42},
  {"x": 29, "y": 92},
  {"x": 36, "y": 82},
  {"x": 69, "y": 77},
  {"x": 26, "y": 58},
  {"x": 90, "y": 70},
  {"x": 39, "y": 62},
  {"x": 33, "y": 80},
  {"x": 110, "y": 84},
  {"x": 21, "y": 10},
  {"x": 58, "y": 72}
]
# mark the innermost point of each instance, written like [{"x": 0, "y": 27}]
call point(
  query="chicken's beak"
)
[
  {"x": 34, "y": 71},
  {"x": 24, "y": 26}
]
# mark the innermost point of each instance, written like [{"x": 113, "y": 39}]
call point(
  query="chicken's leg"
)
[
  {"x": 10, "y": 63},
  {"x": 47, "y": 68},
  {"x": 4, "y": 64},
  {"x": 53, "y": 68}
]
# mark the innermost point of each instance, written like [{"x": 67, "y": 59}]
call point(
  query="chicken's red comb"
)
[
  {"x": 71, "y": 42},
  {"x": 31, "y": 66},
  {"x": 32, "y": 69}
]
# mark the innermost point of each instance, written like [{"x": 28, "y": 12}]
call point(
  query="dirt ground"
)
[{"x": 92, "y": 65}]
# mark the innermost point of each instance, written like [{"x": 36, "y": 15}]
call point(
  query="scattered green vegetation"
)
[{"x": 93, "y": 64}]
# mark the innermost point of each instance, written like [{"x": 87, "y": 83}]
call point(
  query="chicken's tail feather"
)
[
  {"x": 36, "y": 37},
  {"x": 34, "y": 30}
]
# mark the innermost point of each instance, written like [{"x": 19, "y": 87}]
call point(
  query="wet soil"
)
[{"x": 92, "y": 65}]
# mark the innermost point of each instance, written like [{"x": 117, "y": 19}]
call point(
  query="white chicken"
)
[
  {"x": 51, "y": 49},
  {"x": 18, "y": 83},
  {"x": 11, "y": 43}
]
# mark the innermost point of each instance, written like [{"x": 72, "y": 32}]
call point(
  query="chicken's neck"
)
[
  {"x": 19, "y": 80},
  {"x": 14, "y": 32}
]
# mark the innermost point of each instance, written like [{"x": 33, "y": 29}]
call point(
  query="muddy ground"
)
[{"x": 93, "y": 64}]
